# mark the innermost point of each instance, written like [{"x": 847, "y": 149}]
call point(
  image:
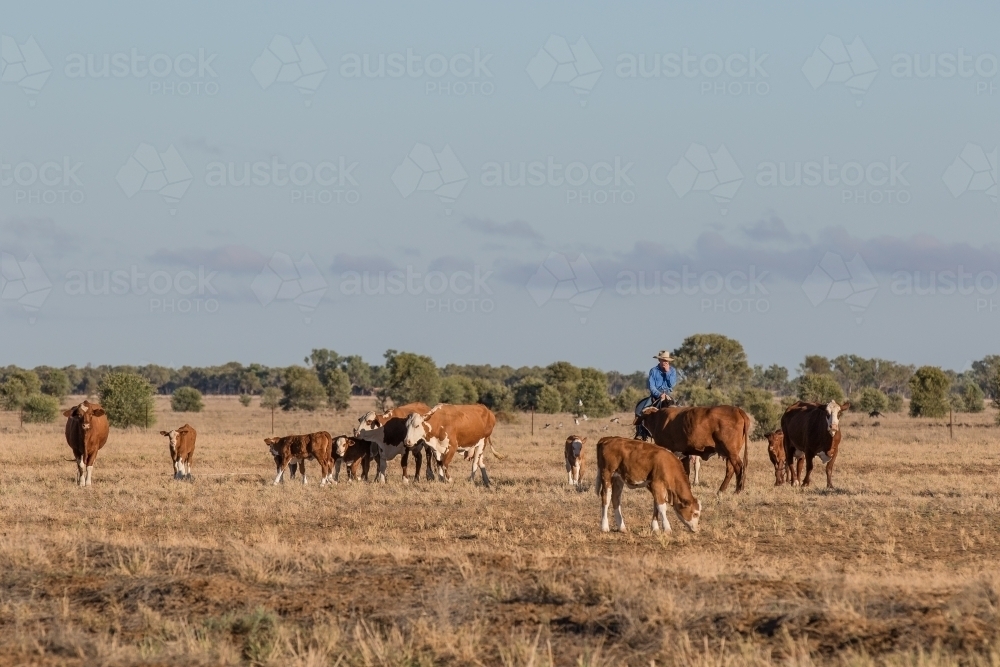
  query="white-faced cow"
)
[
  {"x": 810, "y": 430},
  {"x": 181, "y": 450},
  {"x": 355, "y": 454},
  {"x": 86, "y": 433},
  {"x": 573, "y": 453},
  {"x": 703, "y": 431},
  {"x": 298, "y": 448},
  {"x": 637, "y": 464},
  {"x": 451, "y": 429},
  {"x": 394, "y": 423}
]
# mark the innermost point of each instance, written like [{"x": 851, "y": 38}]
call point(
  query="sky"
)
[{"x": 511, "y": 183}]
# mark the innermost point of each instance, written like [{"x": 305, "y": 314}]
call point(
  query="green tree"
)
[
  {"x": 895, "y": 403},
  {"x": 713, "y": 360},
  {"x": 872, "y": 400},
  {"x": 54, "y": 382},
  {"x": 186, "y": 399},
  {"x": 763, "y": 408},
  {"x": 549, "y": 400},
  {"x": 270, "y": 398},
  {"x": 592, "y": 392},
  {"x": 17, "y": 387},
  {"x": 698, "y": 395},
  {"x": 814, "y": 363},
  {"x": 495, "y": 396},
  {"x": 411, "y": 378},
  {"x": 972, "y": 397},
  {"x": 127, "y": 398},
  {"x": 302, "y": 390},
  {"x": 628, "y": 398},
  {"x": 929, "y": 392},
  {"x": 359, "y": 372},
  {"x": 338, "y": 389},
  {"x": 40, "y": 409},
  {"x": 772, "y": 378},
  {"x": 853, "y": 372},
  {"x": 245, "y": 400},
  {"x": 818, "y": 388},
  {"x": 458, "y": 390}
]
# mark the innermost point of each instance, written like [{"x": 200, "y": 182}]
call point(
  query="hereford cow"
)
[
  {"x": 574, "y": 458},
  {"x": 355, "y": 454},
  {"x": 639, "y": 464},
  {"x": 810, "y": 430},
  {"x": 722, "y": 429},
  {"x": 298, "y": 448},
  {"x": 181, "y": 450},
  {"x": 394, "y": 422},
  {"x": 450, "y": 429},
  {"x": 776, "y": 452},
  {"x": 86, "y": 433}
]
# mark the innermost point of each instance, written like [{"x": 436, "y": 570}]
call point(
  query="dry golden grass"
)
[{"x": 898, "y": 565}]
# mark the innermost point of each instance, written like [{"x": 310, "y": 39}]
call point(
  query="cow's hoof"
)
[
  {"x": 178, "y": 475},
  {"x": 189, "y": 478}
]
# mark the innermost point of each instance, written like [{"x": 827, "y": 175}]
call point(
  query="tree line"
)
[{"x": 713, "y": 370}]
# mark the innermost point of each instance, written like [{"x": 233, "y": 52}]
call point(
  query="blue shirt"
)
[{"x": 662, "y": 382}]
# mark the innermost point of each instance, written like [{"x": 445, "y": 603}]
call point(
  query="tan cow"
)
[
  {"x": 181, "y": 450},
  {"x": 622, "y": 462},
  {"x": 86, "y": 432},
  {"x": 810, "y": 430},
  {"x": 298, "y": 448},
  {"x": 354, "y": 454},
  {"x": 573, "y": 453},
  {"x": 702, "y": 431},
  {"x": 394, "y": 423},
  {"x": 451, "y": 429},
  {"x": 776, "y": 452}
]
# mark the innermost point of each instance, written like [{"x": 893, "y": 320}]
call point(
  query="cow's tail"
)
[
  {"x": 498, "y": 455},
  {"x": 748, "y": 426}
]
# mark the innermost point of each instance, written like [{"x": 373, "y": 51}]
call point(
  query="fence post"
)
[
  {"x": 532, "y": 420},
  {"x": 951, "y": 424}
]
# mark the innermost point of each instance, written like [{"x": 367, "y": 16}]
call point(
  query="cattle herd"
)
[{"x": 434, "y": 435}]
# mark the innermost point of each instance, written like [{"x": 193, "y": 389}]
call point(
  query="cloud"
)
[
  {"x": 343, "y": 262},
  {"x": 24, "y": 235},
  {"x": 514, "y": 228},
  {"x": 451, "y": 264},
  {"x": 234, "y": 258},
  {"x": 772, "y": 229}
]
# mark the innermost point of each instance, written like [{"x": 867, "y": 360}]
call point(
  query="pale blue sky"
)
[{"x": 926, "y": 222}]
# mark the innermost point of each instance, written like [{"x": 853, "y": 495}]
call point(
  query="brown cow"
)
[
  {"x": 704, "y": 431},
  {"x": 812, "y": 429},
  {"x": 639, "y": 464},
  {"x": 573, "y": 453},
  {"x": 394, "y": 423},
  {"x": 86, "y": 433},
  {"x": 776, "y": 452},
  {"x": 181, "y": 450},
  {"x": 354, "y": 454},
  {"x": 298, "y": 448},
  {"x": 450, "y": 429}
]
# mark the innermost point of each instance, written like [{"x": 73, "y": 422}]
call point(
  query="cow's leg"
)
[
  {"x": 91, "y": 459},
  {"x": 405, "y": 463},
  {"x": 809, "y": 470},
  {"x": 729, "y": 475},
  {"x": 302, "y": 469},
  {"x": 617, "y": 486},
  {"x": 366, "y": 464},
  {"x": 829, "y": 473},
  {"x": 697, "y": 470},
  {"x": 281, "y": 463},
  {"x": 382, "y": 464},
  {"x": 293, "y": 466},
  {"x": 481, "y": 457},
  {"x": 418, "y": 461},
  {"x": 659, "y": 493},
  {"x": 429, "y": 453},
  {"x": 569, "y": 472},
  {"x": 686, "y": 462},
  {"x": 577, "y": 470},
  {"x": 605, "y": 486},
  {"x": 81, "y": 470}
]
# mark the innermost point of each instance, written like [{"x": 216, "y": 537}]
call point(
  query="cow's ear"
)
[
  {"x": 583, "y": 440},
  {"x": 98, "y": 412},
  {"x": 164, "y": 433},
  {"x": 68, "y": 413},
  {"x": 845, "y": 406}
]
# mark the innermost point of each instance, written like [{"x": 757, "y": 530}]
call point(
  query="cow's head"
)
[
  {"x": 367, "y": 422},
  {"x": 340, "y": 445},
  {"x": 416, "y": 429},
  {"x": 775, "y": 441},
  {"x": 833, "y": 411},
  {"x": 85, "y": 413},
  {"x": 172, "y": 437},
  {"x": 576, "y": 444},
  {"x": 688, "y": 511},
  {"x": 271, "y": 442}
]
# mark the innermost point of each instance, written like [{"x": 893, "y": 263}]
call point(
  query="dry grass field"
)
[{"x": 898, "y": 565}]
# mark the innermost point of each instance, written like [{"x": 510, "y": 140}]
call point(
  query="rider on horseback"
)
[{"x": 662, "y": 380}]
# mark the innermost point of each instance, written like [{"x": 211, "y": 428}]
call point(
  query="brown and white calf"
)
[
  {"x": 299, "y": 448},
  {"x": 637, "y": 464},
  {"x": 86, "y": 432},
  {"x": 451, "y": 429},
  {"x": 573, "y": 453},
  {"x": 354, "y": 454},
  {"x": 776, "y": 452},
  {"x": 810, "y": 430},
  {"x": 394, "y": 424},
  {"x": 181, "y": 449}
]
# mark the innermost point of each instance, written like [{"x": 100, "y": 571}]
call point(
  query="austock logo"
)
[
  {"x": 833, "y": 62},
  {"x": 423, "y": 170},
  {"x": 182, "y": 75},
  {"x": 283, "y": 279},
  {"x": 50, "y": 182},
  {"x": 444, "y": 292},
  {"x": 974, "y": 170},
  {"x": 558, "y": 279},
  {"x": 182, "y": 292},
  {"x": 24, "y": 282},
  {"x": 604, "y": 182},
  {"x": 731, "y": 75},
  {"x": 833, "y": 279},
  {"x": 148, "y": 170},
  {"x": 876, "y": 182},
  {"x": 24, "y": 65},
  {"x": 285, "y": 62},
  {"x": 459, "y": 74},
  {"x": 559, "y": 62},
  {"x": 700, "y": 171},
  {"x": 327, "y": 182},
  {"x": 733, "y": 292}
]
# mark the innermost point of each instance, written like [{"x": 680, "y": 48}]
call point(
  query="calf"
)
[
  {"x": 394, "y": 423},
  {"x": 450, "y": 429},
  {"x": 574, "y": 458},
  {"x": 776, "y": 452},
  {"x": 639, "y": 464},
  {"x": 86, "y": 432},
  {"x": 181, "y": 450},
  {"x": 298, "y": 448},
  {"x": 810, "y": 430},
  {"x": 355, "y": 454}
]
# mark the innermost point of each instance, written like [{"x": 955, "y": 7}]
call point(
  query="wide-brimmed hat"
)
[{"x": 663, "y": 355}]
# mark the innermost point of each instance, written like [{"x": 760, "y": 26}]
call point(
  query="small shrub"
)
[
  {"x": 17, "y": 387},
  {"x": 186, "y": 399},
  {"x": 763, "y": 408},
  {"x": 872, "y": 400},
  {"x": 270, "y": 398},
  {"x": 895, "y": 403},
  {"x": 245, "y": 400},
  {"x": 627, "y": 399},
  {"x": 302, "y": 390},
  {"x": 929, "y": 392},
  {"x": 40, "y": 409},
  {"x": 127, "y": 399},
  {"x": 819, "y": 388},
  {"x": 972, "y": 397}
]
